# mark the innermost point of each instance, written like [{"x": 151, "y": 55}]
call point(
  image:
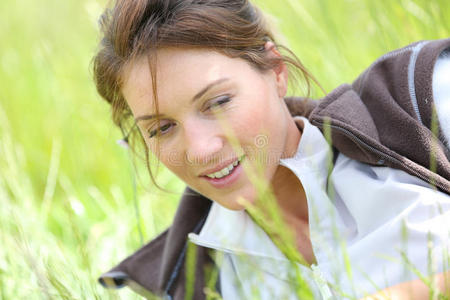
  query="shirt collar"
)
[
  {"x": 234, "y": 231},
  {"x": 312, "y": 151}
]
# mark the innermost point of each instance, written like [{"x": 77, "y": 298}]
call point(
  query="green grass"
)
[{"x": 66, "y": 190}]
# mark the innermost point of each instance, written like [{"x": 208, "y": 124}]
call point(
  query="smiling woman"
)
[
  {"x": 194, "y": 86},
  {"x": 269, "y": 203}
]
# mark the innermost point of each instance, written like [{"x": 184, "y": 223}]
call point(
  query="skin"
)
[{"x": 414, "y": 290}]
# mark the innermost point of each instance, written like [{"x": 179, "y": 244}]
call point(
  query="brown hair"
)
[{"x": 135, "y": 28}]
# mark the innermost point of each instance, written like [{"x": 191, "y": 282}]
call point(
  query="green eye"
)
[{"x": 161, "y": 130}]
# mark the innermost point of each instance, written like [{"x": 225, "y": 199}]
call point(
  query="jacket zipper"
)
[{"x": 379, "y": 153}]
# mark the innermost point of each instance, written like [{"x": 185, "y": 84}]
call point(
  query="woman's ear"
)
[{"x": 281, "y": 71}]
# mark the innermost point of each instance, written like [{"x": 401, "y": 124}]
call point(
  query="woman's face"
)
[{"x": 203, "y": 96}]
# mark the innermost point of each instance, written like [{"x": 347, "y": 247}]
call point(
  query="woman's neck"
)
[
  {"x": 287, "y": 188},
  {"x": 290, "y": 195}
]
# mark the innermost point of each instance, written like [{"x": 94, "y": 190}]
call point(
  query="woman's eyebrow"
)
[
  {"x": 144, "y": 117},
  {"x": 208, "y": 87},
  {"x": 198, "y": 95}
]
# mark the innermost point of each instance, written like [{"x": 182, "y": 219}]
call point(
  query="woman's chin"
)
[
  {"x": 232, "y": 205},
  {"x": 239, "y": 202}
]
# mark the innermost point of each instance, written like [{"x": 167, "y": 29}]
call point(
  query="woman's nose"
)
[{"x": 203, "y": 141}]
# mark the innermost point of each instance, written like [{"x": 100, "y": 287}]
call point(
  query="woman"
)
[{"x": 205, "y": 83}]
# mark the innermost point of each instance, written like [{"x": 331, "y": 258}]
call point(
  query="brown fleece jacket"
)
[{"x": 384, "y": 118}]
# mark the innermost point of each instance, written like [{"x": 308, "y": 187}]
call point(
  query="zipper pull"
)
[{"x": 321, "y": 282}]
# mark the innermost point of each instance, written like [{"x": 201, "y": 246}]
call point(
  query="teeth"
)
[
  {"x": 222, "y": 173},
  {"x": 225, "y": 171}
]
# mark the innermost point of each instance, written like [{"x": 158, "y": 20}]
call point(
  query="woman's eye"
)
[
  {"x": 218, "y": 102},
  {"x": 161, "y": 130}
]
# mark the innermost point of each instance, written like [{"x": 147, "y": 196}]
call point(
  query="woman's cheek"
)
[
  {"x": 249, "y": 123},
  {"x": 172, "y": 158}
]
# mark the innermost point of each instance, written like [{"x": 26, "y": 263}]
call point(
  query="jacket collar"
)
[{"x": 191, "y": 213}]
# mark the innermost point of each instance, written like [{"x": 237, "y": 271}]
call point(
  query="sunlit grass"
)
[{"x": 66, "y": 190}]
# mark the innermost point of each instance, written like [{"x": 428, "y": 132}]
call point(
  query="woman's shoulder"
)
[
  {"x": 406, "y": 75},
  {"x": 386, "y": 116}
]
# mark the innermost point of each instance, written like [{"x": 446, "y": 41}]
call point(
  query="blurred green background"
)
[{"x": 66, "y": 188}]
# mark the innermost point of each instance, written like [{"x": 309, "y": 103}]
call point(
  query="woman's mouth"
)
[{"x": 226, "y": 176}]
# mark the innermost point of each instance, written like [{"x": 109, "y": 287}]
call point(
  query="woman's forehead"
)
[{"x": 180, "y": 73}]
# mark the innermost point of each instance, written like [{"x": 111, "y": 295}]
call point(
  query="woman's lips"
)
[
  {"x": 218, "y": 168},
  {"x": 227, "y": 180}
]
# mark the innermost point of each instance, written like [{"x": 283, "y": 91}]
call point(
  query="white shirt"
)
[
  {"x": 441, "y": 92},
  {"x": 378, "y": 227}
]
